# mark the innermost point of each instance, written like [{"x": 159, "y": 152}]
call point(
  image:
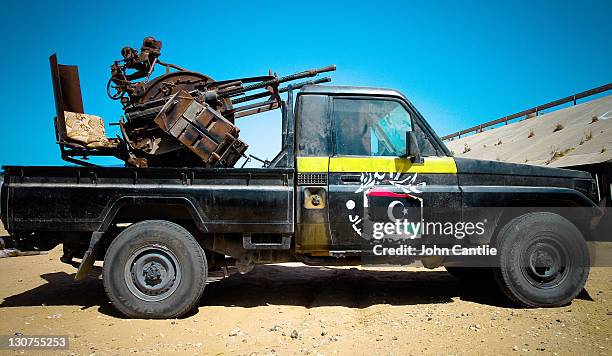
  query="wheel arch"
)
[
  {"x": 139, "y": 208},
  {"x": 579, "y": 216},
  {"x": 513, "y": 201}
]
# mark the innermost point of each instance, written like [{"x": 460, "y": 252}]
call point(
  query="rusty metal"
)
[
  {"x": 187, "y": 118},
  {"x": 181, "y": 118},
  {"x": 281, "y": 90},
  {"x": 142, "y": 63},
  {"x": 201, "y": 129},
  {"x": 535, "y": 110}
]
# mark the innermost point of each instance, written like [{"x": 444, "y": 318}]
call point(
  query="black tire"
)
[
  {"x": 154, "y": 269},
  {"x": 544, "y": 260},
  {"x": 471, "y": 274}
]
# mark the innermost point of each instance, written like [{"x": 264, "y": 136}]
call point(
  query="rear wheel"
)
[
  {"x": 544, "y": 260},
  {"x": 154, "y": 269}
]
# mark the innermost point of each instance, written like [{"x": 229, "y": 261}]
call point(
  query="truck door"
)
[{"x": 371, "y": 181}]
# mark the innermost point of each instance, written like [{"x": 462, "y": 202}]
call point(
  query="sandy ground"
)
[{"x": 294, "y": 309}]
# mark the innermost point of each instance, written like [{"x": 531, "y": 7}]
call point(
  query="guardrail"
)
[{"x": 535, "y": 110}]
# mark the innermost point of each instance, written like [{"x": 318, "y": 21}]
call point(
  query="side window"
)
[
  {"x": 425, "y": 145},
  {"x": 370, "y": 127},
  {"x": 313, "y": 131}
]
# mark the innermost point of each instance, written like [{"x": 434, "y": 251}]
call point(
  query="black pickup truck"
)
[{"x": 353, "y": 160}]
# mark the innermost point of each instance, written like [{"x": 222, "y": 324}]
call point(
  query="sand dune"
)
[{"x": 572, "y": 136}]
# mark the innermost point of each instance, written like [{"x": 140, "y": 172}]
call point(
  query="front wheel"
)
[
  {"x": 154, "y": 269},
  {"x": 544, "y": 260}
]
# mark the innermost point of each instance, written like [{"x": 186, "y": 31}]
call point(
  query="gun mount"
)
[{"x": 181, "y": 118}]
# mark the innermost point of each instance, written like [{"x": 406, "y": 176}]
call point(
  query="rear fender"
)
[{"x": 111, "y": 212}]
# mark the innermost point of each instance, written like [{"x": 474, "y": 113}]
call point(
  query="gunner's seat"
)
[{"x": 78, "y": 134}]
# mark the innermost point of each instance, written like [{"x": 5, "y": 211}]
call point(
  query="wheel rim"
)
[
  {"x": 152, "y": 273},
  {"x": 545, "y": 262}
]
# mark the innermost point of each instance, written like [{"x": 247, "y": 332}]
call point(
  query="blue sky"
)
[{"x": 460, "y": 63}]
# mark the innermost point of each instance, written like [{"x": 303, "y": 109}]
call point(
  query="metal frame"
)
[{"x": 67, "y": 93}]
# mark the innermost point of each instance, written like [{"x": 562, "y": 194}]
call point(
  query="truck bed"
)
[{"x": 73, "y": 198}]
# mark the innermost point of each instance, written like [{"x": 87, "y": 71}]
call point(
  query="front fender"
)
[{"x": 495, "y": 205}]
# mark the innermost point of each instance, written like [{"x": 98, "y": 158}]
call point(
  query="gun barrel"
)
[
  {"x": 276, "y": 81},
  {"x": 307, "y": 74},
  {"x": 303, "y": 84},
  {"x": 280, "y": 90}
]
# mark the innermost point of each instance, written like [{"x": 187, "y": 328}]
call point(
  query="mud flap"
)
[{"x": 90, "y": 256}]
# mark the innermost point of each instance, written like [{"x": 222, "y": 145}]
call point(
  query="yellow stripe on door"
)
[
  {"x": 312, "y": 164},
  {"x": 375, "y": 164}
]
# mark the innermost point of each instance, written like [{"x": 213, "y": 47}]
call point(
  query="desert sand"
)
[
  {"x": 575, "y": 135},
  {"x": 294, "y": 309}
]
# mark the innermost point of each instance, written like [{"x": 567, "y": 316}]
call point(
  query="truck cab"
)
[{"x": 350, "y": 139}]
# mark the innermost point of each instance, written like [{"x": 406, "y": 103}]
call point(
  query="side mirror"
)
[{"x": 412, "y": 148}]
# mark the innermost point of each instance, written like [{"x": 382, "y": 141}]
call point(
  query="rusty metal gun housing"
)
[{"x": 185, "y": 118}]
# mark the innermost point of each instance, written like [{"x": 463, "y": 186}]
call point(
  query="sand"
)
[
  {"x": 399, "y": 311},
  {"x": 575, "y": 135}
]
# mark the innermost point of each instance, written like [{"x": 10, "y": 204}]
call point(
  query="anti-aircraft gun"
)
[{"x": 185, "y": 118}]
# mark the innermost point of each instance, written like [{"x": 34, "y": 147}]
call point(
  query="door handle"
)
[{"x": 350, "y": 178}]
